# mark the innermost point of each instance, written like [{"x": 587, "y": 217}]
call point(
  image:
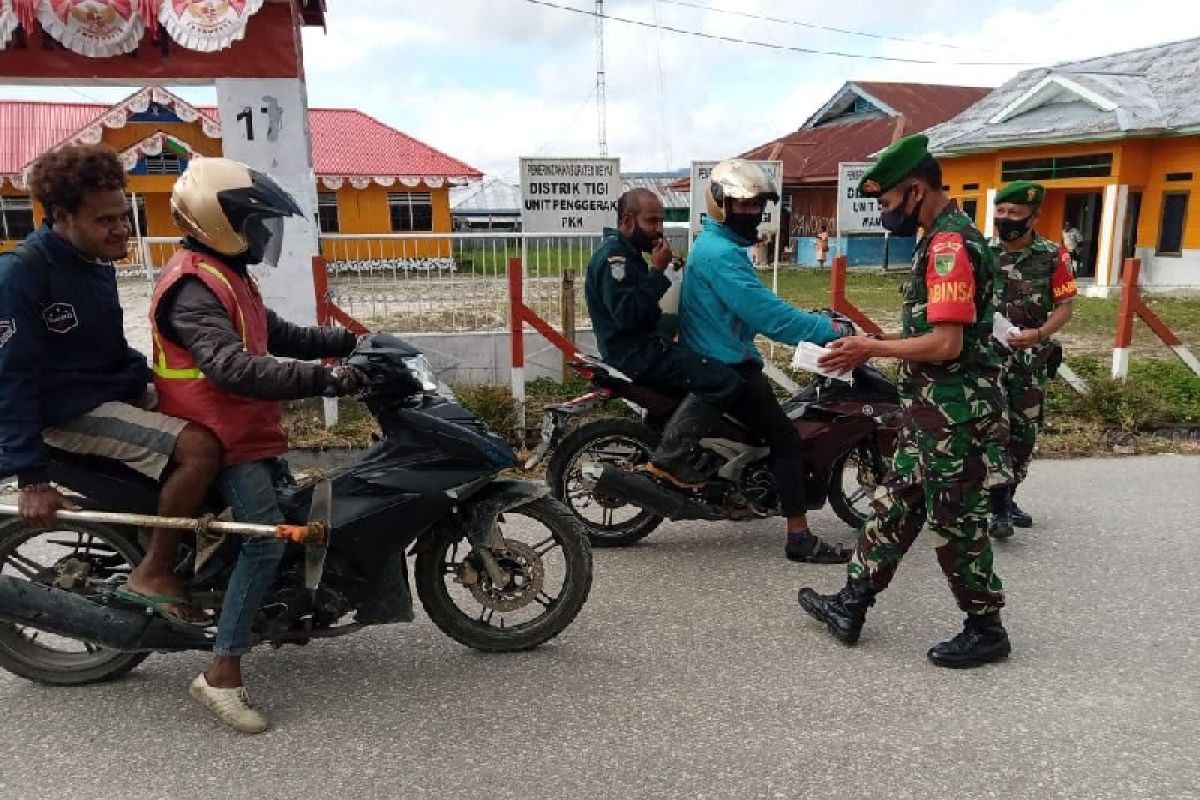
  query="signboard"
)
[
  {"x": 855, "y": 213},
  {"x": 701, "y": 170},
  {"x": 569, "y": 195},
  {"x": 265, "y": 125}
]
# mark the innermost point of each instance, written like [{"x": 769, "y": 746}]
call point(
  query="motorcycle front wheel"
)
[{"x": 550, "y": 562}]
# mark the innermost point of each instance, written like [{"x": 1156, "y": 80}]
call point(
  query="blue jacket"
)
[
  {"x": 724, "y": 305},
  {"x": 61, "y": 360}
]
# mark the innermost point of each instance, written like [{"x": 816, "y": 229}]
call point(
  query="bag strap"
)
[{"x": 33, "y": 258}]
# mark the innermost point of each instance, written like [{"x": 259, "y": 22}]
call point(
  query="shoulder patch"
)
[
  {"x": 617, "y": 267},
  {"x": 8, "y": 329},
  {"x": 60, "y": 317}
]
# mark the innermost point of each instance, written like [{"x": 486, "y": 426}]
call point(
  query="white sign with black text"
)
[
  {"x": 701, "y": 179},
  {"x": 855, "y": 213},
  {"x": 569, "y": 195}
]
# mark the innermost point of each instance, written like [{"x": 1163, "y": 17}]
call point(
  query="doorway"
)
[{"x": 1083, "y": 211}]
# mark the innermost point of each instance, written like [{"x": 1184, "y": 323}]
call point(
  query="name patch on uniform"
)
[
  {"x": 60, "y": 317},
  {"x": 950, "y": 292},
  {"x": 616, "y": 265},
  {"x": 1065, "y": 290},
  {"x": 8, "y": 329}
]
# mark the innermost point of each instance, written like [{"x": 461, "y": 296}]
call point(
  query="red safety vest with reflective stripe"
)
[{"x": 249, "y": 429}]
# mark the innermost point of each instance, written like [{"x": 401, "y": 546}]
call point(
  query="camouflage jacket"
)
[
  {"x": 1029, "y": 283},
  {"x": 966, "y": 387}
]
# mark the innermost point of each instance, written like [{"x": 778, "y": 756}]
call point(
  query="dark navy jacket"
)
[{"x": 59, "y": 360}]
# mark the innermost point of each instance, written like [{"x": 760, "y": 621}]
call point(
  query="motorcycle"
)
[
  {"x": 849, "y": 429},
  {"x": 500, "y": 566}
]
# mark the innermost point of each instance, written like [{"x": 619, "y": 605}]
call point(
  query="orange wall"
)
[
  {"x": 1171, "y": 155},
  {"x": 1140, "y": 164}
]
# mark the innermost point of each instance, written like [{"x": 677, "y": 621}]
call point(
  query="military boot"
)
[
  {"x": 1001, "y": 526},
  {"x": 1020, "y": 517},
  {"x": 675, "y": 460},
  {"x": 843, "y": 613},
  {"x": 983, "y": 640}
]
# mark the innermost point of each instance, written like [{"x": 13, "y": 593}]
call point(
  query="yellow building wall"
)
[
  {"x": 365, "y": 211},
  {"x": 362, "y": 211}
]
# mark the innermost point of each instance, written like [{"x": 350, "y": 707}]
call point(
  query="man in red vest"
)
[{"x": 213, "y": 344}]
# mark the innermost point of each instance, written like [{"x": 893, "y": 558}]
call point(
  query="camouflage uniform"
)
[
  {"x": 1029, "y": 283},
  {"x": 954, "y": 445}
]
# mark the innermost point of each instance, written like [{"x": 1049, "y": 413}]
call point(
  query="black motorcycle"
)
[
  {"x": 849, "y": 432},
  {"x": 499, "y": 565}
]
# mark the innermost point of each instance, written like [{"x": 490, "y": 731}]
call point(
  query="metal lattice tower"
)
[{"x": 601, "y": 102}]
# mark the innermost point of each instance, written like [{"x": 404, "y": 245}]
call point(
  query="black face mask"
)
[
  {"x": 898, "y": 223},
  {"x": 1010, "y": 230},
  {"x": 744, "y": 225}
]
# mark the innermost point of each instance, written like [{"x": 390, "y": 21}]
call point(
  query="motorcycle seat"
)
[{"x": 106, "y": 484}]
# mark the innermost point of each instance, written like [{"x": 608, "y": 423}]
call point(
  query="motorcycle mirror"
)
[{"x": 320, "y": 512}]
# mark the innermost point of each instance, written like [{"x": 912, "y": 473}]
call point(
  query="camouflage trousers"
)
[
  {"x": 1025, "y": 391},
  {"x": 940, "y": 475}
]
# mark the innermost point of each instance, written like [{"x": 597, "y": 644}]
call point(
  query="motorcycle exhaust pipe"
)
[
  {"x": 645, "y": 493},
  {"x": 63, "y": 613}
]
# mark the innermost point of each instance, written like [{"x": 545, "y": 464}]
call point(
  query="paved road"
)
[{"x": 692, "y": 674}]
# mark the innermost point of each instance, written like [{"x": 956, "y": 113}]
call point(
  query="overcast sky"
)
[{"x": 488, "y": 81}]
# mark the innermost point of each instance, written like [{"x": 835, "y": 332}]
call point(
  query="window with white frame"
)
[
  {"x": 16, "y": 217},
  {"x": 327, "y": 212},
  {"x": 164, "y": 164},
  {"x": 411, "y": 211}
]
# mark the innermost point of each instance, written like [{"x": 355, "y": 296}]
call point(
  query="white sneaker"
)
[{"x": 231, "y": 706}]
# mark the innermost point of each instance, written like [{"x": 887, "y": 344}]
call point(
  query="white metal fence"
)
[{"x": 435, "y": 282}]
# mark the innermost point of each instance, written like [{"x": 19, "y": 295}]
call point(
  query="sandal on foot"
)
[
  {"x": 815, "y": 551},
  {"x": 161, "y": 604}
]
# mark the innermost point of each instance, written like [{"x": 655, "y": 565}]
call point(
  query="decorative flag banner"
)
[
  {"x": 155, "y": 145},
  {"x": 94, "y": 28},
  {"x": 207, "y": 25},
  {"x": 8, "y": 22}
]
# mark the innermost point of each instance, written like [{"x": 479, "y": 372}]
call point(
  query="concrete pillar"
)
[
  {"x": 988, "y": 213},
  {"x": 1112, "y": 225}
]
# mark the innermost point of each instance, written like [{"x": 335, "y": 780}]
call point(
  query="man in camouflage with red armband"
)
[
  {"x": 1034, "y": 288},
  {"x": 954, "y": 444}
]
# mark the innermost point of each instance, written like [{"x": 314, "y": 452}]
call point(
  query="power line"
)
[
  {"x": 782, "y": 47},
  {"x": 816, "y": 26}
]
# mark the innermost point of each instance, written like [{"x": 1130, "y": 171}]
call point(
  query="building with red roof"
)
[
  {"x": 861, "y": 118},
  {"x": 371, "y": 178}
]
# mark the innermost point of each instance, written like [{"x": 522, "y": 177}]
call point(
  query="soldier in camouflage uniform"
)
[
  {"x": 952, "y": 450},
  {"x": 1034, "y": 290}
]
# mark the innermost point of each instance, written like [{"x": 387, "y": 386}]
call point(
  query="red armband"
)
[{"x": 949, "y": 281}]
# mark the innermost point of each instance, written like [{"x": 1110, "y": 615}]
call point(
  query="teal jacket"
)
[{"x": 724, "y": 305}]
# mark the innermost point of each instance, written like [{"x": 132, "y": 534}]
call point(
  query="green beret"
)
[
  {"x": 1023, "y": 193},
  {"x": 895, "y": 164}
]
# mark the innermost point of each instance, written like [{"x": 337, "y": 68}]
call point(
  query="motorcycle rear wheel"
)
[
  {"x": 849, "y": 496},
  {"x": 31, "y": 553},
  {"x": 612, "y": 440},
  {"x": 440, "y": 564}
]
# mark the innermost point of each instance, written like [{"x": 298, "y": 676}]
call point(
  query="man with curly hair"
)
[{"x": 68, "y": 378}]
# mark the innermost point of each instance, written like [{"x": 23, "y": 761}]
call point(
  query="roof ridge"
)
[{"x": 1160, "y": 45}]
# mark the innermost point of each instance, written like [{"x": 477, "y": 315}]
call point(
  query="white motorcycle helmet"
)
[{"x": 738, "y": 179}]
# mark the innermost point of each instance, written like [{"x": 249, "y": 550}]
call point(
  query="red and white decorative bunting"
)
[
  {"x": 8, "y": 22},
  {"x": 94, "y": 28},
  {"x": 207, "y": 25},
  {"x": 335, "y": 182},
  {"x": 118, "y": 116},
  {"x": 153, "y": 146}
]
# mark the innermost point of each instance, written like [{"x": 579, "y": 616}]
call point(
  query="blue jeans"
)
[{"x": 250, "y": 492}]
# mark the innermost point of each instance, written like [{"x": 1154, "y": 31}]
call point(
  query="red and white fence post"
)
[{"x": 1133, "y": 305}]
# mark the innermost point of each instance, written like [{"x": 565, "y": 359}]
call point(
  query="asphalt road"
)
[{"x": 693, "y": 674}]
